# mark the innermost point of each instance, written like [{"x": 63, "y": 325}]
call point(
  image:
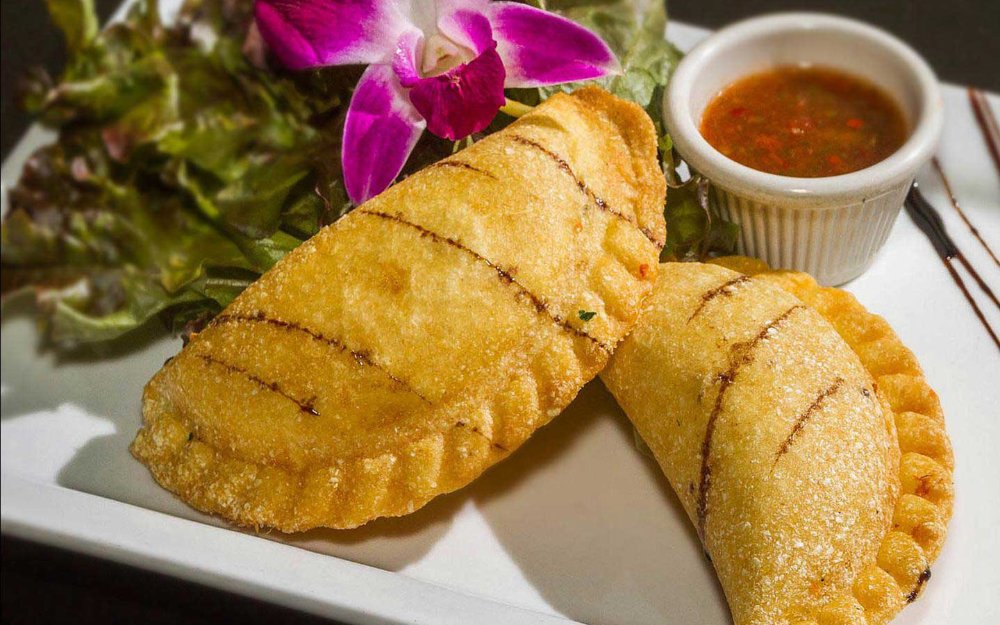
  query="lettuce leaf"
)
[
  {"x": 77, "y": 21},
  {"x": 634, "y": 29},
  {"x": 185, "y": 167},
  {"x": 188, "y": 163},
  {"x": 695, "y": 231}
]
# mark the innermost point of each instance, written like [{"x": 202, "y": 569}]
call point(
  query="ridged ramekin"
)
[{"x": 831, "y": 227}]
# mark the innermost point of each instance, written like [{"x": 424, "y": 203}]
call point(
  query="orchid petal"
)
[
  {"x": 463, "y": 100},
  {"x": 380, "y": 131},
  {"x": 540, "y": 48},
  {"x": 312, "y": 33},
  {"x": 469, "y": 28},
  {"x": 427, "y": 14},
  {"x": 404, "y": 58},
  {"x": 444, "y": 8}
]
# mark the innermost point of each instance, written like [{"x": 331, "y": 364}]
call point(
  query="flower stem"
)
[
  {"x": 515, "y": 108},
  {"x": 461, "y": 144}
]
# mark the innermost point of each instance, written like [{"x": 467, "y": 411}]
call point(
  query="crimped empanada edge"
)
[
  {"x": 926, "y": 497},
  {"x": 355, "y": 490},
  {"x": 629, "y": 120}
]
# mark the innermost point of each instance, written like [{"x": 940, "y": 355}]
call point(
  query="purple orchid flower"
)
[{"x": 435, "y": 64}]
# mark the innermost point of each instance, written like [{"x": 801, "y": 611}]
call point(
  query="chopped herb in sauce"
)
[{"x": 586, "y": 315}]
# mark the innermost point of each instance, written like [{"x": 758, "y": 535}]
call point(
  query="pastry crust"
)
[
  {"x": 423, "y": 337},
  {"x": 927, "y": 495},
  {"x": 766, "y": 423}
]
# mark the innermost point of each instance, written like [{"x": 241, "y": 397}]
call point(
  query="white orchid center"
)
[{"x": 442, "y": 54}]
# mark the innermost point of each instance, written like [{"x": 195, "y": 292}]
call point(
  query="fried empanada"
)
[
  {"x": 776, "y": 428},
  {"x": 424, "y": 336},
  {"x": 925, "y": 505}
]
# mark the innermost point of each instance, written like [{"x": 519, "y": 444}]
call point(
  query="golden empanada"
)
[
  {"x": 779, "y": 437},
  {"x": 423, "y": 337},
  {"x": 925, "y": 505}
]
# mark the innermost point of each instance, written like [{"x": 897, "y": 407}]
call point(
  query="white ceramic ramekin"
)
[{"x": 830, "y": 227}]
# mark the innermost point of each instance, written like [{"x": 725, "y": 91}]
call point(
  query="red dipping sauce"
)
[{"x": 806, "y": 122}]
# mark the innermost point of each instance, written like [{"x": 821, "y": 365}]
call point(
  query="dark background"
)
[
  {"x": 958, "y": 37},
  {"x": 45, "y": 585}
]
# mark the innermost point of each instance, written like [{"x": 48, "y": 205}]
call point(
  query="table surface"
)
[{"x": 43, "y": 584}]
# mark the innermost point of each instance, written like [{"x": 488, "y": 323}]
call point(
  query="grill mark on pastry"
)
[
  {"x": 305, "y": 405},
  {"x": 363, "y": 359},
  {"x": 726, "y": 289},
  {"x": 800, "y": 422},
  {"x": 463, "y": 165},
  {"x": 504, "y": 275},
  {"x": 598, "y": 200},
  {"x": 924, "y": 576},
  {"x": 476, "y": 430},
  {"x": 743, "y": 354}
]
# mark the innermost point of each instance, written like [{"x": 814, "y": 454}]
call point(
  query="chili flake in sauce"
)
[{"x": 805, "y": 122}]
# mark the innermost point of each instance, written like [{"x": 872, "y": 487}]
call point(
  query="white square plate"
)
[{"x": 575, "y": 526}]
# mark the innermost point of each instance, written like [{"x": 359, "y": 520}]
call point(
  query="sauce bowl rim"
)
[{"x": 875, "y": 179}]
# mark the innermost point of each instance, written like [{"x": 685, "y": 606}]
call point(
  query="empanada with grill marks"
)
[
  {"x": 800, "y": 437},
  {"x": 424, "y": 336}
]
